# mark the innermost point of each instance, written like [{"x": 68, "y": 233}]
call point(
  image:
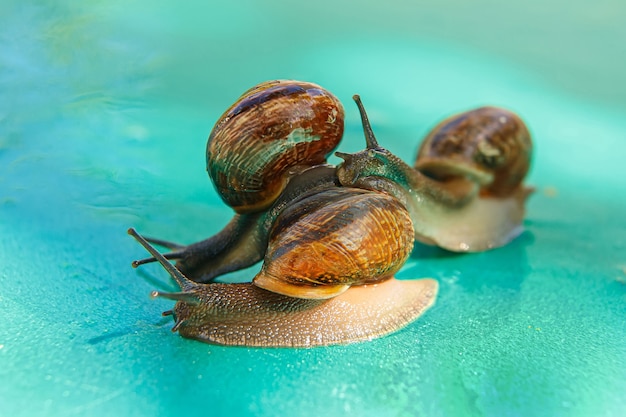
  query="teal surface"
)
[{"x": 104, "y": 112}]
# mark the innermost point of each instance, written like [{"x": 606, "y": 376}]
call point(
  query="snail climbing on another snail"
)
[{"x": 330, "y": 238}]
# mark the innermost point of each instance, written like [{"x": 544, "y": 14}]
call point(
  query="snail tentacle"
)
[
  {"x": 164, "y": 243},
  {"x": 370, "y": 138},
  {"x": 239, "y": 245},
  {"x": 182, "y": 281},
  {"x": 169, "y": 255},
  {"x": 177, "y": 253},
  {"x": 176, "y": 296}
]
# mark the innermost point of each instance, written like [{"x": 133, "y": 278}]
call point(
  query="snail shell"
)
[
  {"x": 328, "y": 241},
  {"x": 274, "y": 130},
  {"x": 489, "y": 145}
]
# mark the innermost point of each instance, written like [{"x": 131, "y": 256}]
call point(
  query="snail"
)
[
  {"x": 331, "y": 238},
  {"x": 465, "y": 192}
]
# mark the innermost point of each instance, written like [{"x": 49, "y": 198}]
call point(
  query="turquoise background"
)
[{"x": 104, "y": 111}]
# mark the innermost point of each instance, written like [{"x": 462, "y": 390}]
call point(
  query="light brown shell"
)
[
  {"x": 325, "y": 243},
  {"x": 489, "y": 145},
  {"x": 271, "y": 132}
]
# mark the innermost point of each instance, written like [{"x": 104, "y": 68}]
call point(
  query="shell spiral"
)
[
  {"x": 274, "y": 130},
  {"x": 489, "y": 144},
  {"x": 328, "y": 241}
]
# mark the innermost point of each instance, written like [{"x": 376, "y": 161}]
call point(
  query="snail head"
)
[
  {"x": 188, "y": 299},
  {"x": 374, "y": 163}
]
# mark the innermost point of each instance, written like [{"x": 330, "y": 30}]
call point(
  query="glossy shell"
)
[
  {"x": 326, "y": 242},
  {"x": 489, "y": 145},
  {"x": 274, "y": 130}
]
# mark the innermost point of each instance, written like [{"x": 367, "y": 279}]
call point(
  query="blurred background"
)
[
  {"x": 106, "y": 75},
  {"x": 105, "y": 107}
]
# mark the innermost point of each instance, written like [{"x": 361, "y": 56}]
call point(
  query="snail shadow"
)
[
  {"x": 500, "y": 269},
  {"x": 424, "y": 251}
]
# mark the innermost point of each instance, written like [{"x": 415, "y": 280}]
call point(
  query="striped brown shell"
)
[
  {"x": 489, "y": 145},
  {"x": 275, "y": 129},
  {"x": 326, "y": 242}
]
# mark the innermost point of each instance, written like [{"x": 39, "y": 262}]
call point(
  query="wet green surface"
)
[{"x": 103, "y": 119}]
